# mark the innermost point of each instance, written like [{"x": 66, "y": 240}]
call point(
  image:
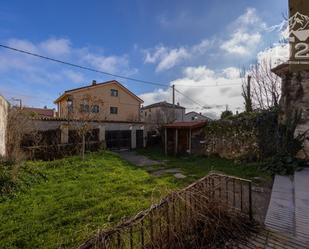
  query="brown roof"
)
[
  {"x": 95, "y": 85},
  {"x": 40, "y": 111},
  {"x": 186, "y": 125},
  {"x": 44, "y": 118}
]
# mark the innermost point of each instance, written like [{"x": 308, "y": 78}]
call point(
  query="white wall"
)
[{"x": 3, "y": 124}]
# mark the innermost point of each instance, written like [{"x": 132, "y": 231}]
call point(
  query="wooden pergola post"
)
[
  {"x": 190, "y": 142},
  {"x": 176, "y": 141},
  {"x": 165, "y": 141}
]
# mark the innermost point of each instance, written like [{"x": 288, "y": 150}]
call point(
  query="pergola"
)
[{"x": 179, "y": 134}]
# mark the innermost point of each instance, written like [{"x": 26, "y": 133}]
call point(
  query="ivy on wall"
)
[{"x": 249, "y": 136}]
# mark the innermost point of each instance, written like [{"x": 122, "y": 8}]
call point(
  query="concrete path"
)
[
  {"x": 280, "y": 214},
  {"x": 288, "y": 211},
  {"x": 301, "y": 183},
  {"x": 137, "y": 159}
]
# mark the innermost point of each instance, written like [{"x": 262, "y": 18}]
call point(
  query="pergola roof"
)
[{"x": 186, "y": 125}]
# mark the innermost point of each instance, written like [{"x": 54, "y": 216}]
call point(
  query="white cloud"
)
[
  {"x": 111, "y": 64},
  {"x": 231, "y": 72},
  {"x": 212, "y": 98},
  {"x": 241, "y": 43},
  {"x": 56, "y": 47},
  {"x": 30, "y": 74},
  {"x": 245, "y": 34},
  {"x": 277, "y": 54},
  {"x": 166, "y": 58},
  {"x": 74, "y": 76}
]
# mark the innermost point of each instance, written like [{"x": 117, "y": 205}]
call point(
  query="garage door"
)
[{"x": 116, "y": 140}]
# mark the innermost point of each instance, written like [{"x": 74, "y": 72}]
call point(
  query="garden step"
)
[
  {"x": 281, "y": 211},
  {"x": 301, "y": 184}
]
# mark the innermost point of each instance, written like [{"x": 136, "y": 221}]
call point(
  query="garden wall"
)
[
  {"x": 3, "y": 124},
  {"x": 251, "y": 136}
]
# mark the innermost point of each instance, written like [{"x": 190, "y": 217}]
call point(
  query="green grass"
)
[
  {"x": 196, "y": 167},
  {"x": 75, "y": 198},
  {"x": 61, "y": 203}
]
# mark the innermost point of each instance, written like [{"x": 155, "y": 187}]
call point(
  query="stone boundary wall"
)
[
  {"x": 247, "y": 136},
  {"x": 229, "y": 140},
  {"x": 4, "y": 106}
]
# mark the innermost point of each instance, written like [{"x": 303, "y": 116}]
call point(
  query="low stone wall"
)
[{"x": 3, "y": 124}]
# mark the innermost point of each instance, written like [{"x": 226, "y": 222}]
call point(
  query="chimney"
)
[{"x": 94, "y": 82}]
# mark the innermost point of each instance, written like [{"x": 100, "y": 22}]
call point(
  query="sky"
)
[{"x": 199, "y": 45}]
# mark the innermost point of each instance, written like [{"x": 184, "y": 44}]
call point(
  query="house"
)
[
  {"x": 194, "y": 116},
  {"x": 162, "y": 113},
  {"x": 41, "y": 112},
  {"x": 183, "y": 137},
  {"x": 109, "y": 101}
]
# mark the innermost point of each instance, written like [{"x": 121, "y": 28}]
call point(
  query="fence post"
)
[{"x": 250, "y": 201}]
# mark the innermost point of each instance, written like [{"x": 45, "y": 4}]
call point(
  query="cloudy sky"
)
[{"x": 197, "y": 45}]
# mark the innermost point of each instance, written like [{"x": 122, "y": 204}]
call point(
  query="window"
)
[
  {"x": 70, "y": 104},
  {"x": 84, "y": 108},
  {"x": 114, "y": 92},
  {"x": 114, "y": 110},
  {"x": 95, "y": 109}
]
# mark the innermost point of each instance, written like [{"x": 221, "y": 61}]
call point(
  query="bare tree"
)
[
  {"x": 246, "y": 93},
  {"x": 87, "y": 112},
  {"x": 265, "y": 86},
  {"x": 19, "y": 125}
]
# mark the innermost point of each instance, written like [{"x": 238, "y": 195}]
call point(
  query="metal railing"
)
[{"x": 178, "y": 213}]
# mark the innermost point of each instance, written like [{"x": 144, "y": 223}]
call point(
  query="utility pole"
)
[
  {"x": 174, "y": 113},
  {"x": 173, "y": 95},
  {"x": 20, "y": 102}
]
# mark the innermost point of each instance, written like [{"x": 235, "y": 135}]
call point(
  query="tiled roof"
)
[
  {"x": 79, "y": 120},
  {"x": 40, "y": 111},
  {"x": 95, "y": 85},
  {"x": 163, "y": 104},
  {"x": 188, "y": 125}
]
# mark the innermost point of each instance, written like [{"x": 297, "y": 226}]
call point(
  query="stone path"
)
[
  {"x": 288, "y": 210},
  {"x": 137, "y": 159},
  {"x": 143, "y": 161}
]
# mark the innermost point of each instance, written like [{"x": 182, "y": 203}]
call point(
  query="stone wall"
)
[
  {"x": 229, "y": 140},
  {"x": 246, "y": 136},
  {"x": 3, "y": 123},
  {"x": 295, "y": 100}
]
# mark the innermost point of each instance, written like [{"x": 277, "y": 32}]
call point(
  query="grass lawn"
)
[
  {"x": 196, "y": 167},
  {"x": 60, "y": 204},
  {"x": 73, "y": 199}
]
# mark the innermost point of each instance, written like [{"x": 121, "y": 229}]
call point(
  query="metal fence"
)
[{"x": 178, "y": 214}]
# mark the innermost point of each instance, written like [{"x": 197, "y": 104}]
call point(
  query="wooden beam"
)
[
  {"x": 165, "y": 141},
  {"x": 190, "y": 143},
  {"x": 176, "y": 141}
]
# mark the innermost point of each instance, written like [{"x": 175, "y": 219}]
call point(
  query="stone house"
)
[
  {"x": 195, "y": 116},
  {"x": 162, "y": 113}
]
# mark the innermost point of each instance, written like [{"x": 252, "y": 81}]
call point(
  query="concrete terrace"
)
[{"x": 288, "y": 211}]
